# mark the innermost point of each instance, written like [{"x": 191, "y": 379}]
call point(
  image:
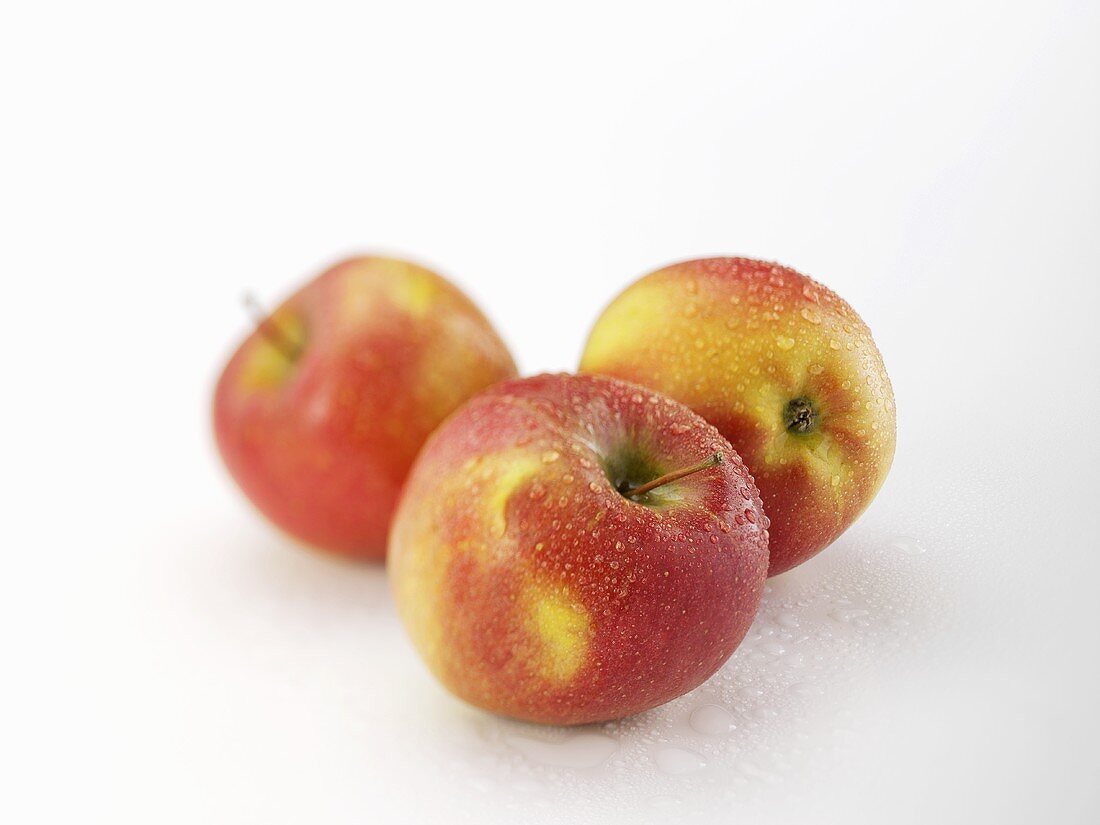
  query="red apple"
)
[
  {"x": 320, "y": 412},
  {"x": 785, "y": 370},
  {"x": 573, "y": 549}
]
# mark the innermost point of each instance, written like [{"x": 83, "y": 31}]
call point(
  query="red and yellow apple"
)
[
  {"x": 574, "y": 549},
  {"x": 785, "y": 369},
  {"x": 320, "y": 412}
]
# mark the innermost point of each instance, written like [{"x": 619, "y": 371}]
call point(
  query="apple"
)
[
  {"x": 574, "y": 549},
  {"x": 785, "y": 370},
  {"x": 320, "y": 412}
]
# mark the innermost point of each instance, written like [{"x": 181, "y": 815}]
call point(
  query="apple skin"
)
[
  {"x": 739, "y": 340},
  {"x": 534, "y": 589},
  {"x": 322, "y": 443}
]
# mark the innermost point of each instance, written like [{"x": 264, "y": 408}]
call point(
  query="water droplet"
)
[
  {"x": 550, "y": 456},
  {"x": 583, "y": 750},
  {"x": 907, "y": 545},
  {"x": 851, "y": 615},
  {"x": 811, "y": 314},
  {"x": 787, "y": 620},
  {"x": 711, "y": 720}
]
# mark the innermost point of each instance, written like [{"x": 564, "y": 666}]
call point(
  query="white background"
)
[{"x": 169, "y": 658}]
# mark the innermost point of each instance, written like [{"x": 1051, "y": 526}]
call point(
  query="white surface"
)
[{"x": 171, "y": 659}]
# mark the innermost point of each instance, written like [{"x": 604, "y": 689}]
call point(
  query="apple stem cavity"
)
[
  {"x": 270, "y": 330},
  {"x": 800, "y": 416},
  {"x": 711, "y": 461}
]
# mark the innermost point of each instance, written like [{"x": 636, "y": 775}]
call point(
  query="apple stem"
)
[
  {"x": 800, "y": 416},
  {"x": 675, "y": 475},
  {"x": 270, "y": 330}
]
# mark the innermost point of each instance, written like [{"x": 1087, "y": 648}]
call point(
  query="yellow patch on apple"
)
[{"x": 562, "y": 629}]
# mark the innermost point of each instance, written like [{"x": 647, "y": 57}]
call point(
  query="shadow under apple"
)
[{"x": 827, "y": 634}]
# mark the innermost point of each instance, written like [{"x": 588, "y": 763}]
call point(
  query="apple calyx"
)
[
  {"x": 271, "y": 331},
  {"x": 640, "y": 491},
  {"x": 800, "y": 416}
]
